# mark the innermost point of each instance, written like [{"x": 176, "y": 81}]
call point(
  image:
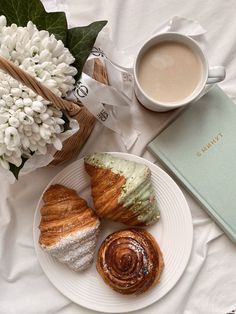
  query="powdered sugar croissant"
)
[
  {"x": 68, "y": 227},
  {"x": 122, "y": 189}
]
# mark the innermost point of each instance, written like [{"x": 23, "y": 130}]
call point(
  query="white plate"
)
[{"x": 174, "y": 233}]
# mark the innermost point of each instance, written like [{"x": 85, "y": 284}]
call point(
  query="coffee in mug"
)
[{"x": 171, "y": 70}]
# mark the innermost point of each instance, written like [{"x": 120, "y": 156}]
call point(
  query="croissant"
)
[
  {"x": 68, "y": 227},
  {"x": 130, "y": 261},
  {"x": 122, "y": 190}
]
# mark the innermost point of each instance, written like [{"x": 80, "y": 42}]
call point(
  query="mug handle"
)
[{"x": 215, "y": 74}]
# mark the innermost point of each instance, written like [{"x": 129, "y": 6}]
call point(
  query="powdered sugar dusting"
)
[{"x": 77, "y": 249}]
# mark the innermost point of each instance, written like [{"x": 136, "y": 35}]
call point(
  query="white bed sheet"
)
[{"x": 209, "y": 282}]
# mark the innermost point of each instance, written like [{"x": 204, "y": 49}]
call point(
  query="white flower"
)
[
  {"x": 16, "y": 92},
  {"x": 19, "y": 103},
  {"x": 25, "y": 142},
  {"x": 14, "y": 159},
  {"x": 29, "y": 111},
  {"x": 25, "y": 119},
  {"x": 4, "y": 164},
  {"x": 13, "y": 121},
  {"x": 12, "y": 137},
  {"x": 2, "y": 149},
  {"x": 4, "y": 117},
  {"x": 57, "y": 143},
  {"x": 38, "y": 106},
  {"x": 28, "y": 123},
  {"x": 3, "y": 91},
  {"x": 3, "y": 21}
]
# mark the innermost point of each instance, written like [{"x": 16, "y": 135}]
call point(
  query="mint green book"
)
[{"x": 199, "y": 148}]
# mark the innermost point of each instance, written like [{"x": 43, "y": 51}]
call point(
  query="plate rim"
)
[{"x": 148, "y": 163}]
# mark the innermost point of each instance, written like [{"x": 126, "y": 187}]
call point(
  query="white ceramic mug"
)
[{"x": 210, "y": 75}]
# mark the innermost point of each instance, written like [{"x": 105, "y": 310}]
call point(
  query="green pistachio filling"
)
[{"x": 137, "y": 193}]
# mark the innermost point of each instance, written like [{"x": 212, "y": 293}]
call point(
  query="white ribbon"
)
[{"x": 110, "y": 104}]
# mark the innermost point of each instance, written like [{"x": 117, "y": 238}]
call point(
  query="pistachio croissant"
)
[
  {"x": 122, "y": 190},
  {"x": 130, "y": 261},
  {"x": 68, "y": 227}
]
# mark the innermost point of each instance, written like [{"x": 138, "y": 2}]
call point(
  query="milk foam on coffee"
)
[{"x": 169, "y": 71}]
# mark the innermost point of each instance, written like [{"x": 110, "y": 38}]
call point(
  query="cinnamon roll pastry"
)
[
  {"x": 122, "y": 190},
  {"x": 68, "y": 227},
  {"x": 130, "y": 261}
]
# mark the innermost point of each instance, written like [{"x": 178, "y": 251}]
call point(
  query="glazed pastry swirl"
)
[{"x": 130, "y": 261}]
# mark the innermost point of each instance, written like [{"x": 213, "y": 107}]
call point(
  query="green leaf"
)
[
  {"x": 80, "y": 41},
  {"x": 55, "y": 23},
  {"x": 22, "y": 11},
  {"x": 15, "y": 170}
]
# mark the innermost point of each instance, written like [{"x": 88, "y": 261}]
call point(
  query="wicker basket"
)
[{"x": 73, "y": 145}]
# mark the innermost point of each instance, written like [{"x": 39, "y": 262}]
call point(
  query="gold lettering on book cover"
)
[{"x": 215, "y": 140}]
